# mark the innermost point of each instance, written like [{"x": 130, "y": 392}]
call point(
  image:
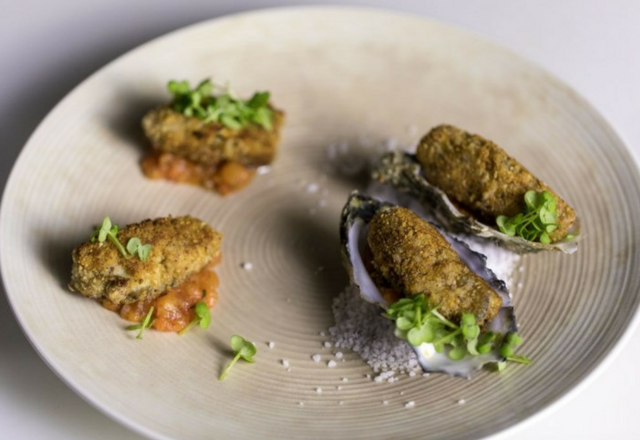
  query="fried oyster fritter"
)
[
  {"x": 181, "y": 246},
  {"x": 414, "y": 258},
  {"x": 211, "y": 143},
  {"x": 479, "y": 176}
]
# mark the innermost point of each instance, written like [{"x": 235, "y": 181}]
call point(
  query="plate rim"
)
[{"x": 634, "y": 163}]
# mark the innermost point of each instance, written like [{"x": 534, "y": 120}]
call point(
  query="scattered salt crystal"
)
[
  {"x": 331, "y": 364},
  {"x": 327, "y": 344},
  {"x": 319, "y": 390},
  {"x": 521, "y": 269},
  {"x": 410, "y": 404},
  {"x": 339, "y": 388},
  {"x": 412, "y": 373},
  {"x": 385, "y": 402},
  {"x": 402, "y": 393},
  {"x": 461, "y": 402},
  {"x": 316, "y": 358},
  {"x": 312, "y": 187},
  {"x": 339, "y": 355},
  {"x": 341, "y": 403},
  {"x": 321, "y": 334},
  {"x": 246, "y": 265},
  {"x": 368, "y": 376},
  {"x": 426, "y": 374},
  {"x": 288, "y": 370},
  {"x": 300, "y": 403},
  {"x": 271, "y": 344},
  {"x": 285, "y": 362},
  {"x": 344, "y": 379},
  {"x": 322, "y": 203},
  {"x": 520, "y": 285},
  {"x": 263, "y": 170},
  {"x": 378, "y": 379}
]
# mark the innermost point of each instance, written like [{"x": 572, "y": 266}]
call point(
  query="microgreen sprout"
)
[
  {"x": 110, "y": 232},
  {"x": 223, "y": 107},
  {"x": 202, "y": 318},
  {"x": 147, "y": 322},
  {"x": 135, "y": 246},
  {"x": 418, "y": 323},
  {"x": 538, "y": 220},
  {"x": 242, "y": 349}
]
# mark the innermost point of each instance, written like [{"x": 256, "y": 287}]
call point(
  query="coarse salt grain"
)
[
  {"x": 312, "y": 187},
  {"x": 285, "y": 362},
  {"x": 300, "y": 403},
  {"x": 316, "y": 358},
  {"x": 246, "y": 265},
  {"x": 341, "y": 403},
  {"x": 261, "y": 171},
  {"x": 331, "y": 364},
  {"x": 321, "y": 334},
  {"x": 327, "y": 344},
  {"x": 344, "y": 379},
  {"x": 461, "y": 402},
  {"x": 319, "y": 390},
  {"x": 271, "y": 344},
  {"x": 410, "y": 404},
  {"x": 339, "y": 388},
  {"x": 385, "y": 402},
  {"x": 339, "y": 355},
  {"x": 360, "y": 327}
]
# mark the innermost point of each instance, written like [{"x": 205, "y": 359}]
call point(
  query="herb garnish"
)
[
  {"x": 134, "y": 245},
  {"x": 202, "y": 318},
  {"x": 419, "y": 323},
  {"x": 224, "y": 107},
  {"x": 538, "y": 220},
  {"x": 241, "y": 349},
  {"x": 147, "y": 322}
]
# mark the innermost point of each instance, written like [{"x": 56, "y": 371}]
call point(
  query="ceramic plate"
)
[{"x": 351, "y": 81}]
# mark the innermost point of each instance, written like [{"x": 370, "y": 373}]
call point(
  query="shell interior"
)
[
  {"x": 404, "y": 173},
  {"x": 354, "y": 226}
]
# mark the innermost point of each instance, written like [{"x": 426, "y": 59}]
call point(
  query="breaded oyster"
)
[
  {"x": 482, "y": 178},
  {"x": 415, "y": 259},
  {"x": 180, "y": 247},
  {"x": 210, "y": 143},
  {"x": 470, "y": 185}
]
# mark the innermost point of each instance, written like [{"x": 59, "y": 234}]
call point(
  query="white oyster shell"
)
[
  {"x": 354, "y": 226},
  {"x": 403, "y": 172}
]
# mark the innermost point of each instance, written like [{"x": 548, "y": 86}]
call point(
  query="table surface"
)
[{"x": 47, "y": 48}]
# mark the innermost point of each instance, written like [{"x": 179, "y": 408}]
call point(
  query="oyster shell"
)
[
  {"x": 356, "y": 216},
  {"x": 403, "y": 172}
]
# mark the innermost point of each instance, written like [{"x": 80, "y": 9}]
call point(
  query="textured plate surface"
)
[{"x": 346, "y": 76}]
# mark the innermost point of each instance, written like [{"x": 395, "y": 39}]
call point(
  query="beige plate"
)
[{"x": 343, "y": 75}]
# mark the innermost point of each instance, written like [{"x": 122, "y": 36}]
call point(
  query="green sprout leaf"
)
[
  {"x": 202, "y": 318},
  {"x": 242, "y": 349},
  {"x": 107, "y": 231},
  {"x": 147, "y": 322},
  {"x": 539, "y": 219},
  {"x": 204, "y": 103},
  {"x": 135, "y": 246},
  {"x": 419, "y": 323}
]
